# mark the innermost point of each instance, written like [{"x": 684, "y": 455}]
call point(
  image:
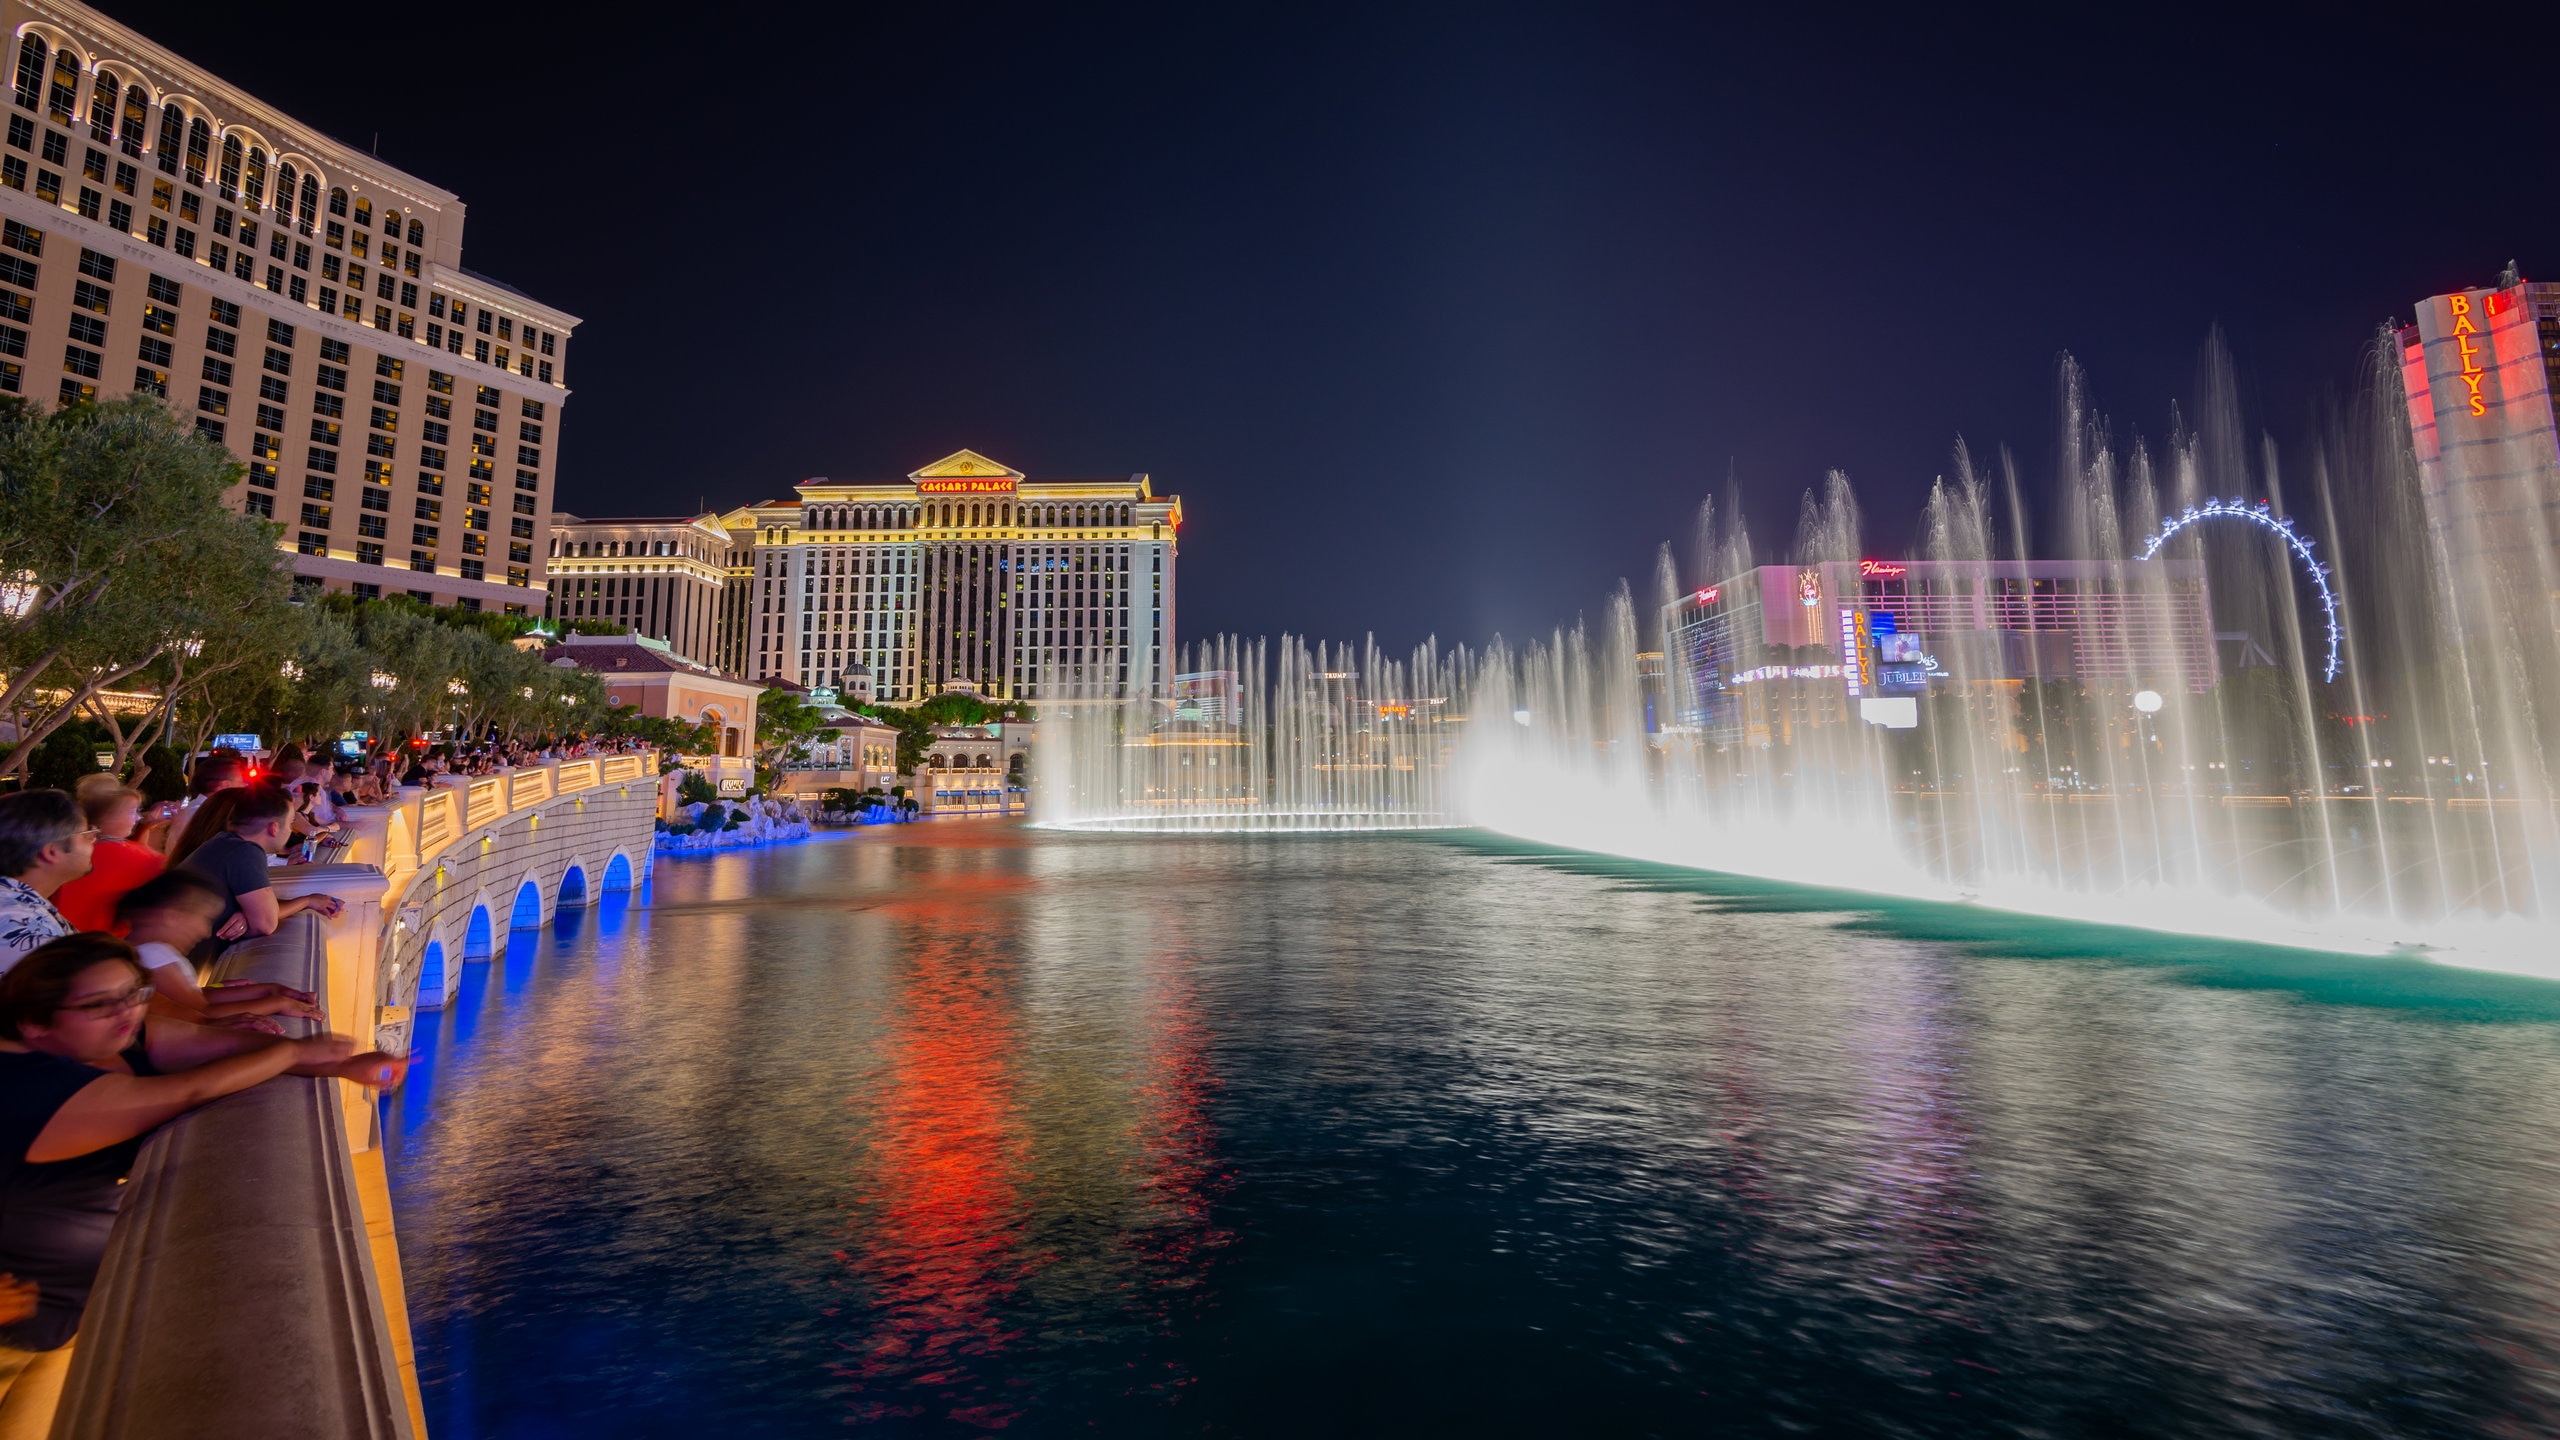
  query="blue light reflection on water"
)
[{"x": 965, "y": 1128}]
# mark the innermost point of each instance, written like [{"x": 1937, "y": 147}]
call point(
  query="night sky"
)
[{"x": 1438, "y": 320}]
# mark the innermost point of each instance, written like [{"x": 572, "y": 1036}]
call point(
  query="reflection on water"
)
[{"x": 971, "y": 1128}]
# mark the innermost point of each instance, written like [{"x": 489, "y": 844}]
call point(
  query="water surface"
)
[{"x": 953, "y": 1129}]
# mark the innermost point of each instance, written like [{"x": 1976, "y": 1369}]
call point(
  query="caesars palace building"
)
[{"x": 965, "y": 573}]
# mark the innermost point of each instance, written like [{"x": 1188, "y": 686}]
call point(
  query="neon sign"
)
[
  {"x": 1852, "y": 669},
  {"x": 2464, "y": 332},
  {"x": 1000, "y": 485},
  {"x": 2264, "y": 516},
  {"x": 1708, "y": 595},
  {"x": 1809, "y": 588},
  {"x": 1881, "y": 570}
]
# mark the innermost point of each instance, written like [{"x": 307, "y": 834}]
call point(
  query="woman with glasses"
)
[{"x": 82, "y": 1082}]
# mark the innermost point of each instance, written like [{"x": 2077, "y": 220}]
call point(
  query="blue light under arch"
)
[{"x": 2263, "y": 516}]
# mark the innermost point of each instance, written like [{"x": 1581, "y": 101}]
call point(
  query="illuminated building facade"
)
[
  {"x": 965, "y": 574},
  {"x": 163, "y": 232},
  {"x": 665, "y": 577},
  {"x": 1754, "y": 658},
  {"x": 2479, "y": 368}
]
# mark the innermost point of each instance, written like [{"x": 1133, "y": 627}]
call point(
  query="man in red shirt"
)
[{"x": 116, "y": 865}]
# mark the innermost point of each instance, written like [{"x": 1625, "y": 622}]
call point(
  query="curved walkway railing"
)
[
  {"x": 239, "y": 1296},
  {"x": 251, "y": 1288}
]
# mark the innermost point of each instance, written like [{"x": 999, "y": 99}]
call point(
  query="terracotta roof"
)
[{"x": 612, "y": 659}]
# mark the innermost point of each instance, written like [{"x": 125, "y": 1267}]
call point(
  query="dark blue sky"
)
[{"x": 1438, "y": 319}]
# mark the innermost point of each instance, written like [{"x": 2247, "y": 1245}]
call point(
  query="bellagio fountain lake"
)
[{"x": 1850, "y": 985}]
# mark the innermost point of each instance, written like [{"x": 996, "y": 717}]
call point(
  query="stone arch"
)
[
  {"x": 434, "y": 980},
  {"x": 527, "y": 911},
  {"x": 573, "y": 885},
  {"x": 618, "y": 872},
  {"x": 479, "y": 937}
]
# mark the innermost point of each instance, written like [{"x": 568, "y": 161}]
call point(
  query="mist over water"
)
[{"x": 2221, "y": 785}]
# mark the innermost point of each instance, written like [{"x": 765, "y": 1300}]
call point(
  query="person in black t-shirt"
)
[
  {"x": 259, "y": 824},
  {"x": 81, "y": 1084}
]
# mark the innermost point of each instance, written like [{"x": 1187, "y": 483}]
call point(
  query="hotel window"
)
[
  {"x": 97, "y": 266},
  {"x": 77, "y": 361},
  {"x": 137, "y": 112},
  {"x": 156, "y": 382},
  {"x": 93, "y": 165},
  {"x": 199, "y": 151},
  {"x": 262, "y": 506},
  {"x": 64, "y": 96},
  {"x": 315, "y": 516},
  {"x": 217, "y": 371},
  {"x": 31, "y": 58},
  {"x": 13, "y": 341},
  {"x": 88, "y": 329},
  {"x": 173, "y": 136},
  {"x": 334, "y": 350},
  {"x": 126, "y": 178},
  {"x": 373, "y": 525},
  {"x": 330, "y": 377},
  {"x": 13, "y": 172},
  {"x": 85, "y": 296},
  {"x": 48, "y": 187},
  {"x": 316, "y": 488},
  {"x": 422, "y": 534}
]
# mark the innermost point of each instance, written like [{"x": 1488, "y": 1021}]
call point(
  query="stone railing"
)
[
  {"x": 244, "y": 1292},
  {"x": 252, "y": 1285}
]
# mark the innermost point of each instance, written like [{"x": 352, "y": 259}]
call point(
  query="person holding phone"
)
[{"x": 259, "y": 823}]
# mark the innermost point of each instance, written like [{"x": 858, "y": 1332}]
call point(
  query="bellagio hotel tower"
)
[{"x": 163, "y": 232}]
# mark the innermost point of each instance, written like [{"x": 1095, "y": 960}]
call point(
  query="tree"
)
[
  {"x": 785, "y": 726},
  {"x": 115, "y": 548}
]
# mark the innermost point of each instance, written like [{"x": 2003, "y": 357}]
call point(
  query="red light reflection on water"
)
[
  {"x": 939, "y": 1203},
  {"x": 972, "y": 1248}
]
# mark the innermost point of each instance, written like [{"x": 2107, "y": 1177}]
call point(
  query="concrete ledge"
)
[{"x": 238, "y": 1297}]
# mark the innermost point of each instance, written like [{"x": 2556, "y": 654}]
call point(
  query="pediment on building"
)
[{"x": 966, "y": 465}]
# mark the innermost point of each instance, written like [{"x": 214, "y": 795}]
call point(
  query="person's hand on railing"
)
[{"x": 257, "y": 990}]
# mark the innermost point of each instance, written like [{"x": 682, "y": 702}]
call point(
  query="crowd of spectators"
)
[{"x": 110, "y": 907}]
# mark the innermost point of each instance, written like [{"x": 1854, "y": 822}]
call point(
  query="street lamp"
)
[{"x": 2147, "y": 701}]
